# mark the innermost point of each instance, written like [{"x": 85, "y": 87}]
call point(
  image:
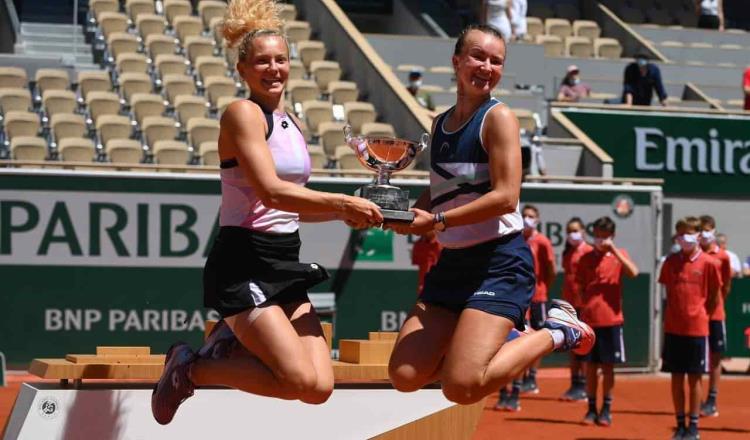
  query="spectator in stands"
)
[
  {"x": 734, "y": 260},
  {"x": 497, "y": 13},
  {"x": 518, "y": 10},
  {"x": 746, "y": 87},
  {"x": 415, "y": 83},
  {"x": 641, "y": 79},
  {"x": 710, "y": 14},
  {"x": 571, "y": 88}
]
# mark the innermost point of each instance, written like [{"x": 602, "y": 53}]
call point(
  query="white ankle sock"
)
[{"x": 558, "y": 337}]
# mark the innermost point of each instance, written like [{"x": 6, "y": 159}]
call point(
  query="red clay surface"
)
[{"x": 642, "y": 409}]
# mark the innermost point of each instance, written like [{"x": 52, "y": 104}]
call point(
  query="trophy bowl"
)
[{"x": 386, "y": 155}]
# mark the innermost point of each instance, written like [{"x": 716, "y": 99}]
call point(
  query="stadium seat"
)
[
  {"x": 331, "y": 136},
  {"x": 586, "y": 28},
  {"x": 579, "y": 47},
  {"x": 525, "y": 119},
  {"x": 607, "y": 48},
  {"x": 28, "y": 148},
  {"x": 378, "y": 129},
  {"x": 202, "y": 130},
  {"x": 59, "y": 101},
  {"x": 343, "y": 91},
  {"x": 358, "y": 113},
  {"x": 287, "y": 11},
  {"x": 346, "y": 158},
  {"x": 558, "y": 26},
  {"x": 324, "y": 72},
  {"x": 178, "y": 85},
  {"x": 230, "y": 54},
  {"x": 297, "y": 31},
  {"x": 672, "y": 43},
  {"x": 410, "y": 68},
  {"x": 51, "y": 79},
  {"x": 122, "y": 42},
  {"x": 316, "y": 112},
  {"x": 171, "y": 64},
  {"x": 131, "y": 62},
  {"x": 534, "y": 27},
  {"x": 224, "y": 101},
  {"x": 124, "y": 151},
  {"x": 218, "y": 86},
  {"x": 160, "y": 44},
  {"x": 157, "y": 128},
  {"x": 146, "y": 104},
  {"x": 13, "y": 77},
  {"x": 189, "y": 107},
  {"x": 133, "y": 82},
  {"x": 553, "y": 45},
  {"x": 148, "y": 24},
  {"x": 318, "y": 159},
  {"x": 111, "y": 22},
  {"x": 187, "y": 26},
  {"x": 21, "y": 123},
  {"x": 296, "y": 69},
  {"x": 134, "y": 8},
  {"x": 102, "y": 103},
  {"x": 15, "y": 99},
  {"x": 98, "y": 6},
  {"x": 76, "y": 149},
  {"x": 67, "y": 125},
  {"x": 111, "y": 127},
  {"x": 209, "y": 153},
  {"x": 89, "y": 81},
  {"x": 210, "y": 9},
  {"x": 310, "y": 51},
  {"x": 210, "y": 66},
  {"x": 171, "y": 152},
  {"x": 176, "y": 8},
  {"x": 197, "y": 46},
  {"x": 301, "y": 90},
  {"x": 215, "y": 28},
  {"x": 701, "y": 45}
]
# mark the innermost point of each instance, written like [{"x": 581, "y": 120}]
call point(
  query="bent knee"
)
[
  {"x": 406, "y": 378},
  {"x": 318, "y": 395},
  {"x": 463, "y": 394},
  {"x": 298, "y": 381}
]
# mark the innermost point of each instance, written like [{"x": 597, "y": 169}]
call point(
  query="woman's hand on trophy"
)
[{"x": 361, "y": 213}]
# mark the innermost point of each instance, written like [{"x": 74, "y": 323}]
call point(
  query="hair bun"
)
[{"x": 245, "y": 16}]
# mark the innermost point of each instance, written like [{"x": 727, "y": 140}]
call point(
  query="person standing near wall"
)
[
  {"x": 710, "y": 14},
  {"x": 497, "y": 13},
  {"x": 641, "y": 79}
]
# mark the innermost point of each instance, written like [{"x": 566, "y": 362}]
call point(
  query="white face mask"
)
[
  {"x": 415, "y": 84},
  {"x": 575, "y": 238},
  {"x": 530, "y": 222},
  {"x": 687, "y": 242},
  {"x": 675, "y": 248},
  {"x": 708, "y": 237},
  {"x": 576, "y": 81}
]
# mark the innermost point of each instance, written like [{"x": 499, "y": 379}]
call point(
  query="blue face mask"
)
[
  {"x": 576, "y": 81},
  {"x": 642, "y": 62}
]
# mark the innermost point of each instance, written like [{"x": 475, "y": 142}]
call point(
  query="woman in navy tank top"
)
[
  {"x": 464, "y": 329},
  {"x": 270, "y": 340}
]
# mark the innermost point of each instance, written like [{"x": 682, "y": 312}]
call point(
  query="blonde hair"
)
[{"x": 248, "y": 19}]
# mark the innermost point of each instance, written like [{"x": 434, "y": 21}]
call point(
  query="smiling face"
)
[
  {"x": 479, "y": 65},
  {"x": 266, "y": 67}
]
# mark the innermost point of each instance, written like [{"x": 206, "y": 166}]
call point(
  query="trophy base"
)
[
  {"x": 393, "y": 202},
  {"x": 396, "y": 216}
]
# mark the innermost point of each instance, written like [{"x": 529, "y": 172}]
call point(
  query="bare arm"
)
[
  {"x": 713, "y": 300},
  {"x": 721, "y": 14},
  {"x": 629, "y": 268}
]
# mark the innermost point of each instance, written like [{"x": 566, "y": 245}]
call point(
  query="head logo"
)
[{"x": 49, "y": 407}]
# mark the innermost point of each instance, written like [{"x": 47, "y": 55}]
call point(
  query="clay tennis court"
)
[{"x": 642, "y": 409}]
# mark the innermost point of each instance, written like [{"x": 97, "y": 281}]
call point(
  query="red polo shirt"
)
[
  {"x": 688, "y": 282},
  {"x": 600, "y": 278},
  {"x": 544, "y": 258},
  {"x": 725, "y": 270},
  {"x": 571, "y": 289}
]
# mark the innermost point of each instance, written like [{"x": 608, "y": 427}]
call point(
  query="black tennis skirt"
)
[{"x": 247, "y": 268}]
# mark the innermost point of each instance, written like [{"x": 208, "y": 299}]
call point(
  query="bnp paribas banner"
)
[
  {"x": 694, "y": 153},
  {"x": 91, "y": 259}
]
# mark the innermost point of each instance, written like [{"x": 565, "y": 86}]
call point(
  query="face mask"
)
[
  {"x": 529, "y": 222},
  {"x": 675, "y": 248},
  {"x": 576, "y": 81},
  {"x": 688, "y": 242},
  {"x": 642, "y": 62},
  {"x": 574, "y": 238},
  {"x": 415, "y": 84},
  {"x": 708, "y": 237}
]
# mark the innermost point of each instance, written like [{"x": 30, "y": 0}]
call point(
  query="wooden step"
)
[{"x": 361, "y": 351}]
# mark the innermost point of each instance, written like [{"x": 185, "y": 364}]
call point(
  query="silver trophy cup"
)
[{"x": 386, "y": 155}]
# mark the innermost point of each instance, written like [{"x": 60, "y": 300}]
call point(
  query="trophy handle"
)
[{"x": 424, "y": 141}]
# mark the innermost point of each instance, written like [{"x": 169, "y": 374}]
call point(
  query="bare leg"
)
[
  {"x": 592, "y": 379},
  {"x": 678, "y": 393},
  {"x": 713, "y": 378},
  {"x": 694, "y": 384},
  {"x": 608, "y": 379}
]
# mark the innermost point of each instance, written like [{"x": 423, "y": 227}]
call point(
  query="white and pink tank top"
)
[{"x": 240, "y": 204}]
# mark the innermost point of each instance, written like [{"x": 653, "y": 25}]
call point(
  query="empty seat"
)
[
  {"x": 218, "y": 86},
  {"x": 410, "y": 68},
  {"x": 113, "y": 127},
  {"x": 324, "y": 72},
  {"x": 210, "y": 9},
  {"x": 558, "y": 26},
  {"x": 358, "y": 113},
  {"x": 148, "y": 24},
  {"x": 586, "y": 28},
  {"x": 296, "y": 69},
  {"x": 98, "y": 6},
  {"x": 378, "y": 129},
  {"x": 176, "y": 8},
  {"x": 310, "y": 51},
  {"x": 102, "y": 103},
  {"x": 331, "y": 136},
  {"x": 187, "y": 26},
  {"x": 171, "y": 64},
  {"x": 160, "y": 44},
  {"x": 157, "y": 128},
  {"x": 111, "y": 22},
  {"x": 671, "y": 43},
  {"x": 346, "y": 158},
  {"x": 202, "y": 130},
  {"x": 526, "y": 119},
  {"x": 51, "y": 79},
  {"x": 301, "y": 90},
  {"x": 66, "y": 125},
  {"x": 178, "y": 85},
  {"x": 231, "y": 54},
  {"x": 209, "y": 153},
  {"x": 89, "y": 81},
  {"x": 318, "y": 158},
  {"x": 15, "y": 100},
  {"x": 59, "y": 101},
  {"x": 76, "y": 149},
  {"x": 133, "y": 82},
  {"x": 297, "y": 30},
  {"x": 316, "y": 112},
  {"x": 132, "y": 62},
  {"x": 171, "y": 152},
  {"x": 215, "y": 27},
  {"x": 534, "y": 27},
  {"x": 210, "y": 66},
  {"x": 287, "y": 11},
  {"x": 13, "y": 77},
  {"x": 21, "y": 123},
  {"x": 607, "y": 48},
  {"x": 224, "y": 101},
  {"x": 146, "y": 104},
  {"x": 197, "y": 46},
  {"x": 122, "y": 42},
  {"x": 124, "y": 151},
  {"x": 580, "y": 47},
  {"x": 28, "y": 148},
  {"x": 189, "y": 107},
  {"x": 343, "y": 91},
  {"x": 134, "y": 8},
  {"x": 553, "y": 45}
]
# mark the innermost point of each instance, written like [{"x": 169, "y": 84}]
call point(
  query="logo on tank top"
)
[
  {"x": 284, "y": 124},
  {"x": 445, "y": 147}
]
